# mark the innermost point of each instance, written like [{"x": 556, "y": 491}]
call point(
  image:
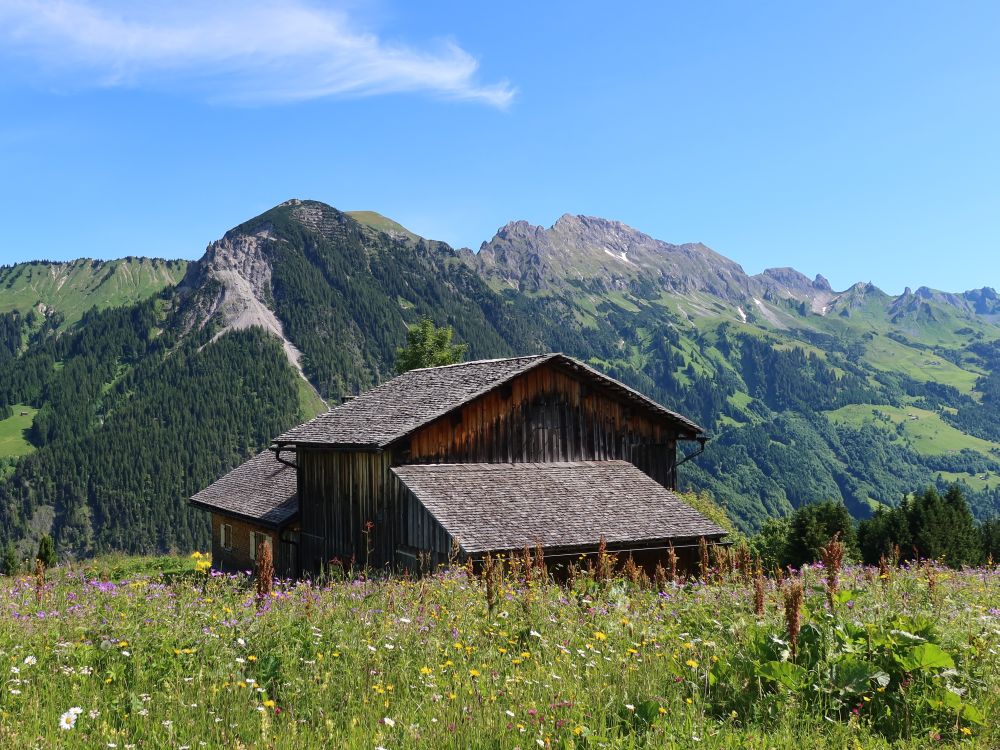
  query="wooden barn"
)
[{"x": 474, "y": 458}]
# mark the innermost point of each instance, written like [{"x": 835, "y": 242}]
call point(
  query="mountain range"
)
[{"x": 127, "y": 385}]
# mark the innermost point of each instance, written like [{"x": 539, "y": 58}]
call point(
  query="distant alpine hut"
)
[{"x": 462, "y": 461}]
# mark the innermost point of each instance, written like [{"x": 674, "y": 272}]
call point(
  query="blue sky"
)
[{"x": 858, "y": 140}]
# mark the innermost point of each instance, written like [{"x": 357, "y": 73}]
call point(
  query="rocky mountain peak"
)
[
  {"x": 605, "y": 253},
  {"x": 821, "y": 283}
]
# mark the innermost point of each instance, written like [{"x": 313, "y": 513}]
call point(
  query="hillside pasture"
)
[
  {"x": 12, "y": 441},
  {"x": 925, "y": 430},
  {"x": 885, "y": 354}
]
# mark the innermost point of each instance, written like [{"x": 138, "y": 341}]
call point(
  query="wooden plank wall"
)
[
  {"x": 419, "y": 531},
  {"x": 547, "y": 415},
  {"x": 339, "y": 493}
]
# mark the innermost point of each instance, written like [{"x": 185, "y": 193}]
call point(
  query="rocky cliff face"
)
[
  {"x": 231, "y": 284},
  {"x": 607, "y": 253}
]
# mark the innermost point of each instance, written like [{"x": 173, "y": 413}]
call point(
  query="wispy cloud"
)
[{"x": 253, "y": 51}]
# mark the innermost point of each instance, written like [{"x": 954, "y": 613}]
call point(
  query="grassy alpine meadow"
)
[{"x": 163, "y": 653}]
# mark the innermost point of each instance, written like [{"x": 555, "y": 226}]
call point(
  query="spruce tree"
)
[
  {"x": 47, "y": 551},
  {"x": 989, "y": 533},
  {"x": 815, "y": 524},
  {"x": 10, "y": 562}
]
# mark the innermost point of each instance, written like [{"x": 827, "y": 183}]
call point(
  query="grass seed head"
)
[{"x": 793, "y": 594}]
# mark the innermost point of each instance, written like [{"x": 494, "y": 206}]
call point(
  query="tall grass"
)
[{"x": 501, "y": 658}]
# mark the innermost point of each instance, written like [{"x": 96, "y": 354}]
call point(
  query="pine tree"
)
[
  {"x": 815, "y": 524},
  {"x": 46, "y": 551},
  {"x": 10, "y": 561}
]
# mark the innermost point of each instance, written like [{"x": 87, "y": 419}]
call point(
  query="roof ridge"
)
[
  {"x": 481, "y": 362},
  {"x": 371, "y": 422},
  {"x": 503, "y": 465}
]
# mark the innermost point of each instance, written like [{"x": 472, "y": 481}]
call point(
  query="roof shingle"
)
[
  {"x": 392, "y": 410},
  {"x": 490, "y": 507},
  {"x": 262, "y": 489}
]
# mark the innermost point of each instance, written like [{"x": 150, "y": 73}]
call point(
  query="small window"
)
[
  {"x": 255, "y": 540},
  {"x": 226, "y": 536}
]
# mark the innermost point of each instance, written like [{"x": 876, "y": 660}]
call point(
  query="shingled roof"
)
[
  {"x": 261, "y": 490},
  {"x": 394, "y": 409},
  {"x": 490, "y": 507}
]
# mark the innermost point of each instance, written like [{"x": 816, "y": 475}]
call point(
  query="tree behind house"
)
[{"x": 428, "y": 346}]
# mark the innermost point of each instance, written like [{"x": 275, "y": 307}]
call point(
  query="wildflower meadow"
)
[{"x": 166, "y": 653}]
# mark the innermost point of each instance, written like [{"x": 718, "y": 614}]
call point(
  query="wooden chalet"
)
[{"x": 475, "y": 458}]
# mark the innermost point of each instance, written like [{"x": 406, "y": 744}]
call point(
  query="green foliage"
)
[
  {"x": 428, "y": 346},
  {"x": 929, "y": 526},
  {"x": 46, "y": 551},
  {"x": 893, "y": 675},
  {"x": 10, "y": 563},
  {"x": 770, "y": 544},
  {"x": 990, "y": 533},
  {"x": 134, "y": 423},
  {"x": 704, "y": 503},
  {"x": 812, "y": 526}
]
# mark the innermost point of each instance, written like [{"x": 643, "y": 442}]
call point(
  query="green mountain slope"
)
[
  {"x": 810, "y": 393},
  {"x": 383, "y": 224},
  {"x": 71, "y": 289}
]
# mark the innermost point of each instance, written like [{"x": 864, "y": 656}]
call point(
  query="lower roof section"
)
[
  {"x": 490, "y": 507},
  {"x": 262, "y": 490}
]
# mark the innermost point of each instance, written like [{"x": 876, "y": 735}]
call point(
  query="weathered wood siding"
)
[
  {"x": 340, "y": 493},
  {"x": 419, "y": 533},
  {"x": 548, "y": 415}
]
